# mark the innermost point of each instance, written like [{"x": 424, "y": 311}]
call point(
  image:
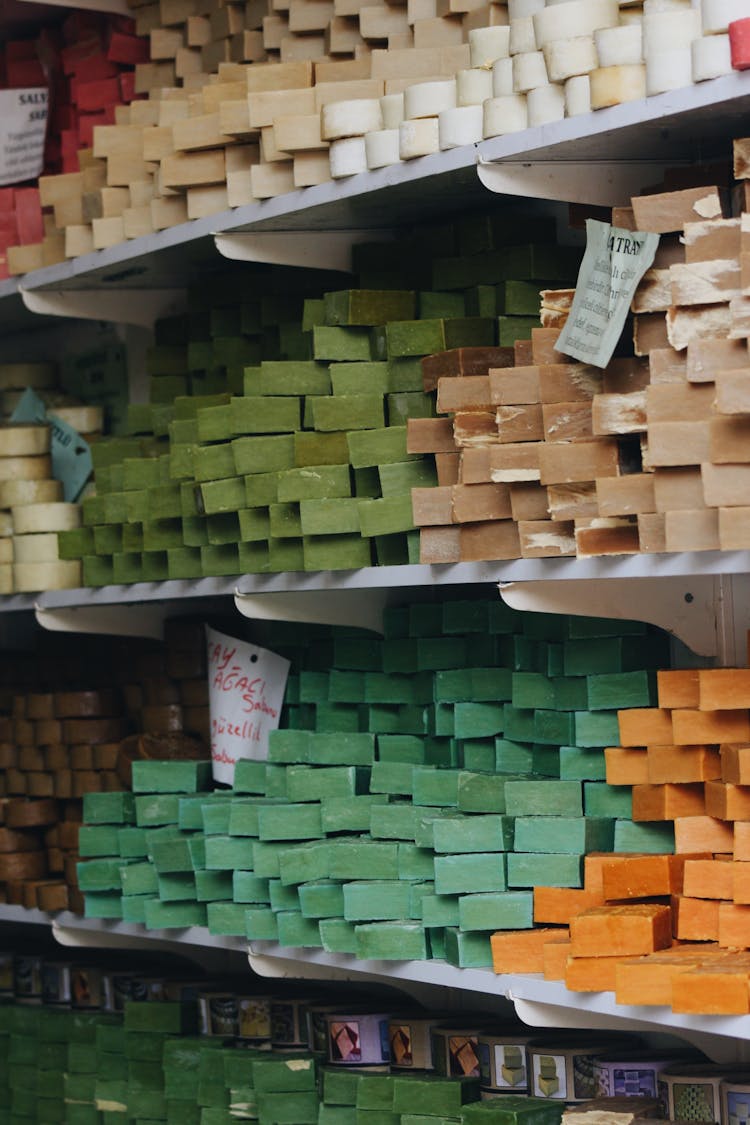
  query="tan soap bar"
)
[{"x": 670, "y": 211}]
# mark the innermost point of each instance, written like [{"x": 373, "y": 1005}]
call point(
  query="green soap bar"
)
[
  {"x": 349, "y": 814},
  {"x": 386, "y": 516},
  {"x": 415, "y": 337},
  {"x": 156, "y": 809},
  {"x": 581, "y": 764},
  {"x": 191, "y": 810},
  {"x": 607, "y": 654},
  {"x": 532, "y": 689},
  {"x": 481, "y": 792},
  {"x": 219, "y": 561},
  {"x": 139, "y": 879},
  {"x": 177, "y": 887},
  {"x": 369, "y": 307},
  {"x": 398, "y": 477},
  {"x": 161, "y": 535},
  {"x": 408, "y": 404},
  {"x": 604, "y": 627},
  {"x": 439, "y": 910},
  {"x": 284, "y": 377},
  {"x": 617, "y": 690},
  {"x": 194, "y": 533},
  {"x": 164, "y": 501},
  {"x": 227, "y": 853},
  {"x": 359, "y": 378},
  {"x": 226, "y": 918},
  {"x": 435, "y": 787},
  {"x": 337, "y": 1115},
  {"x": 282, "y": 897},
  {"x": 134, "y": 907},
  {"x": 284, "y": 521},
  {"x": 514, "y": 1109},
  {"x": 223, "y": 495},
  {"x": 543, "y": 798},
  {"x": 467, "y": 949},
  {"x": 512, "y": 757},
  {"x": 504, "y": 910},
  {"x": 405, "y": 374},
  {"x": 359, "y": 858},
  {"x": 650, "y": 838},
  {"x": 415, "y": 863},
  {"x": 97, "y": 570},
  {"x": 215, "y": 815},
  {"x": 341, "y": 343},
  {"x": 424, "y": 836},
  {"x": 275, "y": 781},
  {"x": 297, "y": 931},
  {"x": 261, "y": 489},
  {"x": 308, "y": 783},
  {"x": 478, "y": 720},
  {"x": 261, "y": 924},
  {"x": 100, "y": 874},
  {"x": 171, "y": 777},
  {"x": 342, "y": 748},
  {"x": 375, "y": 900},
  {"x": 289, "y": 746},
  {"x": 340, "y": 1085},
  {"x": 329, "y": 516},
  {"x": 469, "y": 873},
  {"x": 243, "y": 815},
  {"x": 302, "y": 863},
  {"x": 109, "y": 808},
  {"x": 392, "y": 777},
  {"x": 255, "y": 414},
  {"x": 480, "y": 833},
  {"x": 127, "y": 567},
  {"x": 454, "y": 685},
  {"x": 530, "y": 869},
  {"x": 336, "y": 552},
  {"x": 570, "y": 693},
  {"x": 432, "y": 305},
  {"x": 250, "y": 776},
  {"x": 512, "y": 328},
  {"x": 430, "y": 1094},
  {"x": 399, "y": 748},
  {"x": 316, "y": 482},
  {"x": 164, "y": 1017},
  {"x": 348, "y": 412},
  {"x": 107, "y": 539},
  {"x": 337, "y": 936},
  {"x": 289, "y": 822},
  {"x": 171, "y": 855},
  {"x": 262, "y": 455},
  {"x": 518, "y": 724},
  {"x": 168, "y": 915},
  {"x": 321, "y": 900},
  {"x": 376, "y": 447},
  {"x": 321, "y": 448},
  {"x": 249, "y": 887},
  {"x": 575, "y": 835},
  {"x": 223, "y": 527},
  {"x": 391, "y": 941},
  {"x": 214, "y": 886},
  {"x": 154, "y": 564},
  {"x": 596, "y": 728},
  {"x": 75, "y": 543},
  {"x": 428, "y": 1119},
  {"x": 213, "y": 462},
  {"x": 600, "y": 799},
  {"x": 98, "y": 840},
  {"x": 393, "y": 822},
  {"x": 554, "y": 727},
  {"x": 284, "y": 1074}
]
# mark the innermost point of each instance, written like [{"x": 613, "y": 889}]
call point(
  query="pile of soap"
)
[
  {"x": 419, "y": 788},
  {"x": 304, "y": 465}
]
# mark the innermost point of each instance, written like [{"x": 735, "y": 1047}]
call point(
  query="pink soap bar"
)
[{"x": 739, "y": 44}]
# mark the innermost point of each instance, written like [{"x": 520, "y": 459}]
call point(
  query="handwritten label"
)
[
  {"x": 246, "y": 691},
  {"x": 23, "y": 124},
  {"x": 615, "y": 261}
]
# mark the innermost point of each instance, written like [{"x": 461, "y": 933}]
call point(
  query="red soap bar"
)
[
  {"x": 94, "y": 96},
  {"x": 93, "y": 68},
  {"x": 29, "y": 216},
  {"x": 127, "y": 86},
  {"x": 128, "y": 49},
  {"x": 19, "y": 49},
  {"x": 25, "y": 72},
  {"x": 739, "y": 44}
]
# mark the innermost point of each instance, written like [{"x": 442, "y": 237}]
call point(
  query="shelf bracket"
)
[
  {"x": 685, "y": 607},
  {"x": 116, "y": 620},
  {"x": 360, "y": 608},
  {"x": 320, "y": 250},
  {"x": 601, "y": 184},
  {"x": 139, "y": 307}
]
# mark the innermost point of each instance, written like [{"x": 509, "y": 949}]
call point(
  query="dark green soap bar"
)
[
  {"x": 109, "y": 808},
  {"x": 514, "y": 1109},
  {"x": 433, "y": 1095},
  {"x": 575, "y": 835},
  {"x": 467, "y": 949}
]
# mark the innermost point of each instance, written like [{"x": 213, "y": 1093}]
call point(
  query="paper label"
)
[
  {"x": 71, "y": 455},
  {"x": 246, "y": 691},
  {"x": 615, "y": 261},
  {"x": 23, "y": 124}
]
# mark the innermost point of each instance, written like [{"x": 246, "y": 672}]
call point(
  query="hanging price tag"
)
[
  {"x": 246, "y": 691},
  {"x": 23, "y": 124}
]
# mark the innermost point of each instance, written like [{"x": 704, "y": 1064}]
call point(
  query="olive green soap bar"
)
[
  {"x": 376, "y": 447},
  {"x": 514, "y": 1109},
  {"x": 314, "y": 482},
  {"x": 369, "y": 306},
  {"x": 432, "y": 1095}
]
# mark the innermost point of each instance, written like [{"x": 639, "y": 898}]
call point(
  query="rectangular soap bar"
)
[
  {"x": 481, "y": 833},
  {"x": 543, "y": 798},
  {"x": 171, "y": 777},
  {"x": 432, "y": 1095}
]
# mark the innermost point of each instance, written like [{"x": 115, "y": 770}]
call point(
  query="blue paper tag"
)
[{"x": 71, "y": 455}]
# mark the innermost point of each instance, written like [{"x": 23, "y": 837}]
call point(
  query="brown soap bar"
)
[
  {"x": 84, "y": 704},
  {"x": 30, "y": 814},
  {"x": 93, "y": 730},
  {"x": 463, "y": 362}
]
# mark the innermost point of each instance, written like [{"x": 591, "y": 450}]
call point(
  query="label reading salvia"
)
[
  {"x": 23, "y": 124},
  {"x": 246, "y": 691},
  {"x": 614, "y": 263}
]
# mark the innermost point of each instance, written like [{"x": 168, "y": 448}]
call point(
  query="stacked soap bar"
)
[
  {"x": 305, "y": 465},
  {"x": 420, "y": 787}
]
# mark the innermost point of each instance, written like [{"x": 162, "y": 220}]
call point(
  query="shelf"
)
[{"x": 695, "y": 123}]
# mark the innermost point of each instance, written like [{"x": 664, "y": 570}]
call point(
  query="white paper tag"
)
[
  {"x": 246, "y": 691},
  {"x": 23, "y": 124},
  {"x": 615, "y": 261}
]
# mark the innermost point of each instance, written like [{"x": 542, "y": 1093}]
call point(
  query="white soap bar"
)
[
  {"x": 35, "y": 548},
  {"x": 428, "y": 99},
  {"x": 505, "y": 115},
  {"x": 460, "y": 126},
  {"x": 16, "y": 492},
  {"x": 670, "y": 31},
  {"x": 347, "y": 157},
  {"x": 716, "y": 15},
  {"x": 489, "y": 43},
  {"x": 84, "y": 419},
  {"x": 546, "y": 104},
  {"x": 502, "y": 78},
  {"x": 34, "y": 518},
  {"x": 568, "y": 57},
  {"x": 381, "y": 148},
  {"x": 352, "y": 118},
  {"x": 574, "y": 18},
  {"x": 519, "y": 9},
  {"x": 529, "y": 71},
  {"x": 29, "y": 577},
  {"x": 711, "y": 57},
  {"x": 522, "y": 38},
  {"x": 21, "y": 440},
  {"x": 6, "y": 579},
  {"x": 578, "y": 95},
  {"x": 6, "y": 551},
  {"x": 473, "y": 86},
  {"x": 6, "y": 524},
  {"x": 619, "y": 46},
  {"x": 668, "y": 70},
  {"x": 25, "y": 468},
  {"x": 19, "y": 376},
  {"x": 630, "y": 16},
  {"x": 418, "y": 138},
  {"x": 392, "y": 108},
  {"x": 612, "y": 85},
  {"x": 651, "y": 6}
]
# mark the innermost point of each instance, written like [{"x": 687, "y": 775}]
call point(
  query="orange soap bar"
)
[
  {"x": 734, "y": 926},
  {"x": 665, "y": 802},
  {"x": 643, "y": 876},
  {"x": 741, "y": 847},
  {"x": 644, "y": 726},
  {"x": 593, "y": 873},
  {"x": 626, "y": 765},
  {"x": 708, "y": 878},
  {"x": 692, "y": 727},
  {"x": 682, "y": 764},
  {"x": 521, "y": 951},
  {"x": 591, "y": 974},
  {"x": 648, "y": 980},
  {"x": 695, "y": 919},
  {"x": 678, "y": 688},
  {"x": 621, "y": 930},
  {"x": 735, "y": 763},
  {"x": 702, "y": 834},
  {"x": 555, "y": 906},
  {"x": 555, "y": 956},
  {"x": 740, "y": 882},
  {"x": 724, "y": 689},
  {"x": 712, "y": 990},
  {"x": 727, "y": 801}
]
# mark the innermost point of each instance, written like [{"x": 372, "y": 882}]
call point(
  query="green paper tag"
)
[{"x": 71, "y": 455}]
